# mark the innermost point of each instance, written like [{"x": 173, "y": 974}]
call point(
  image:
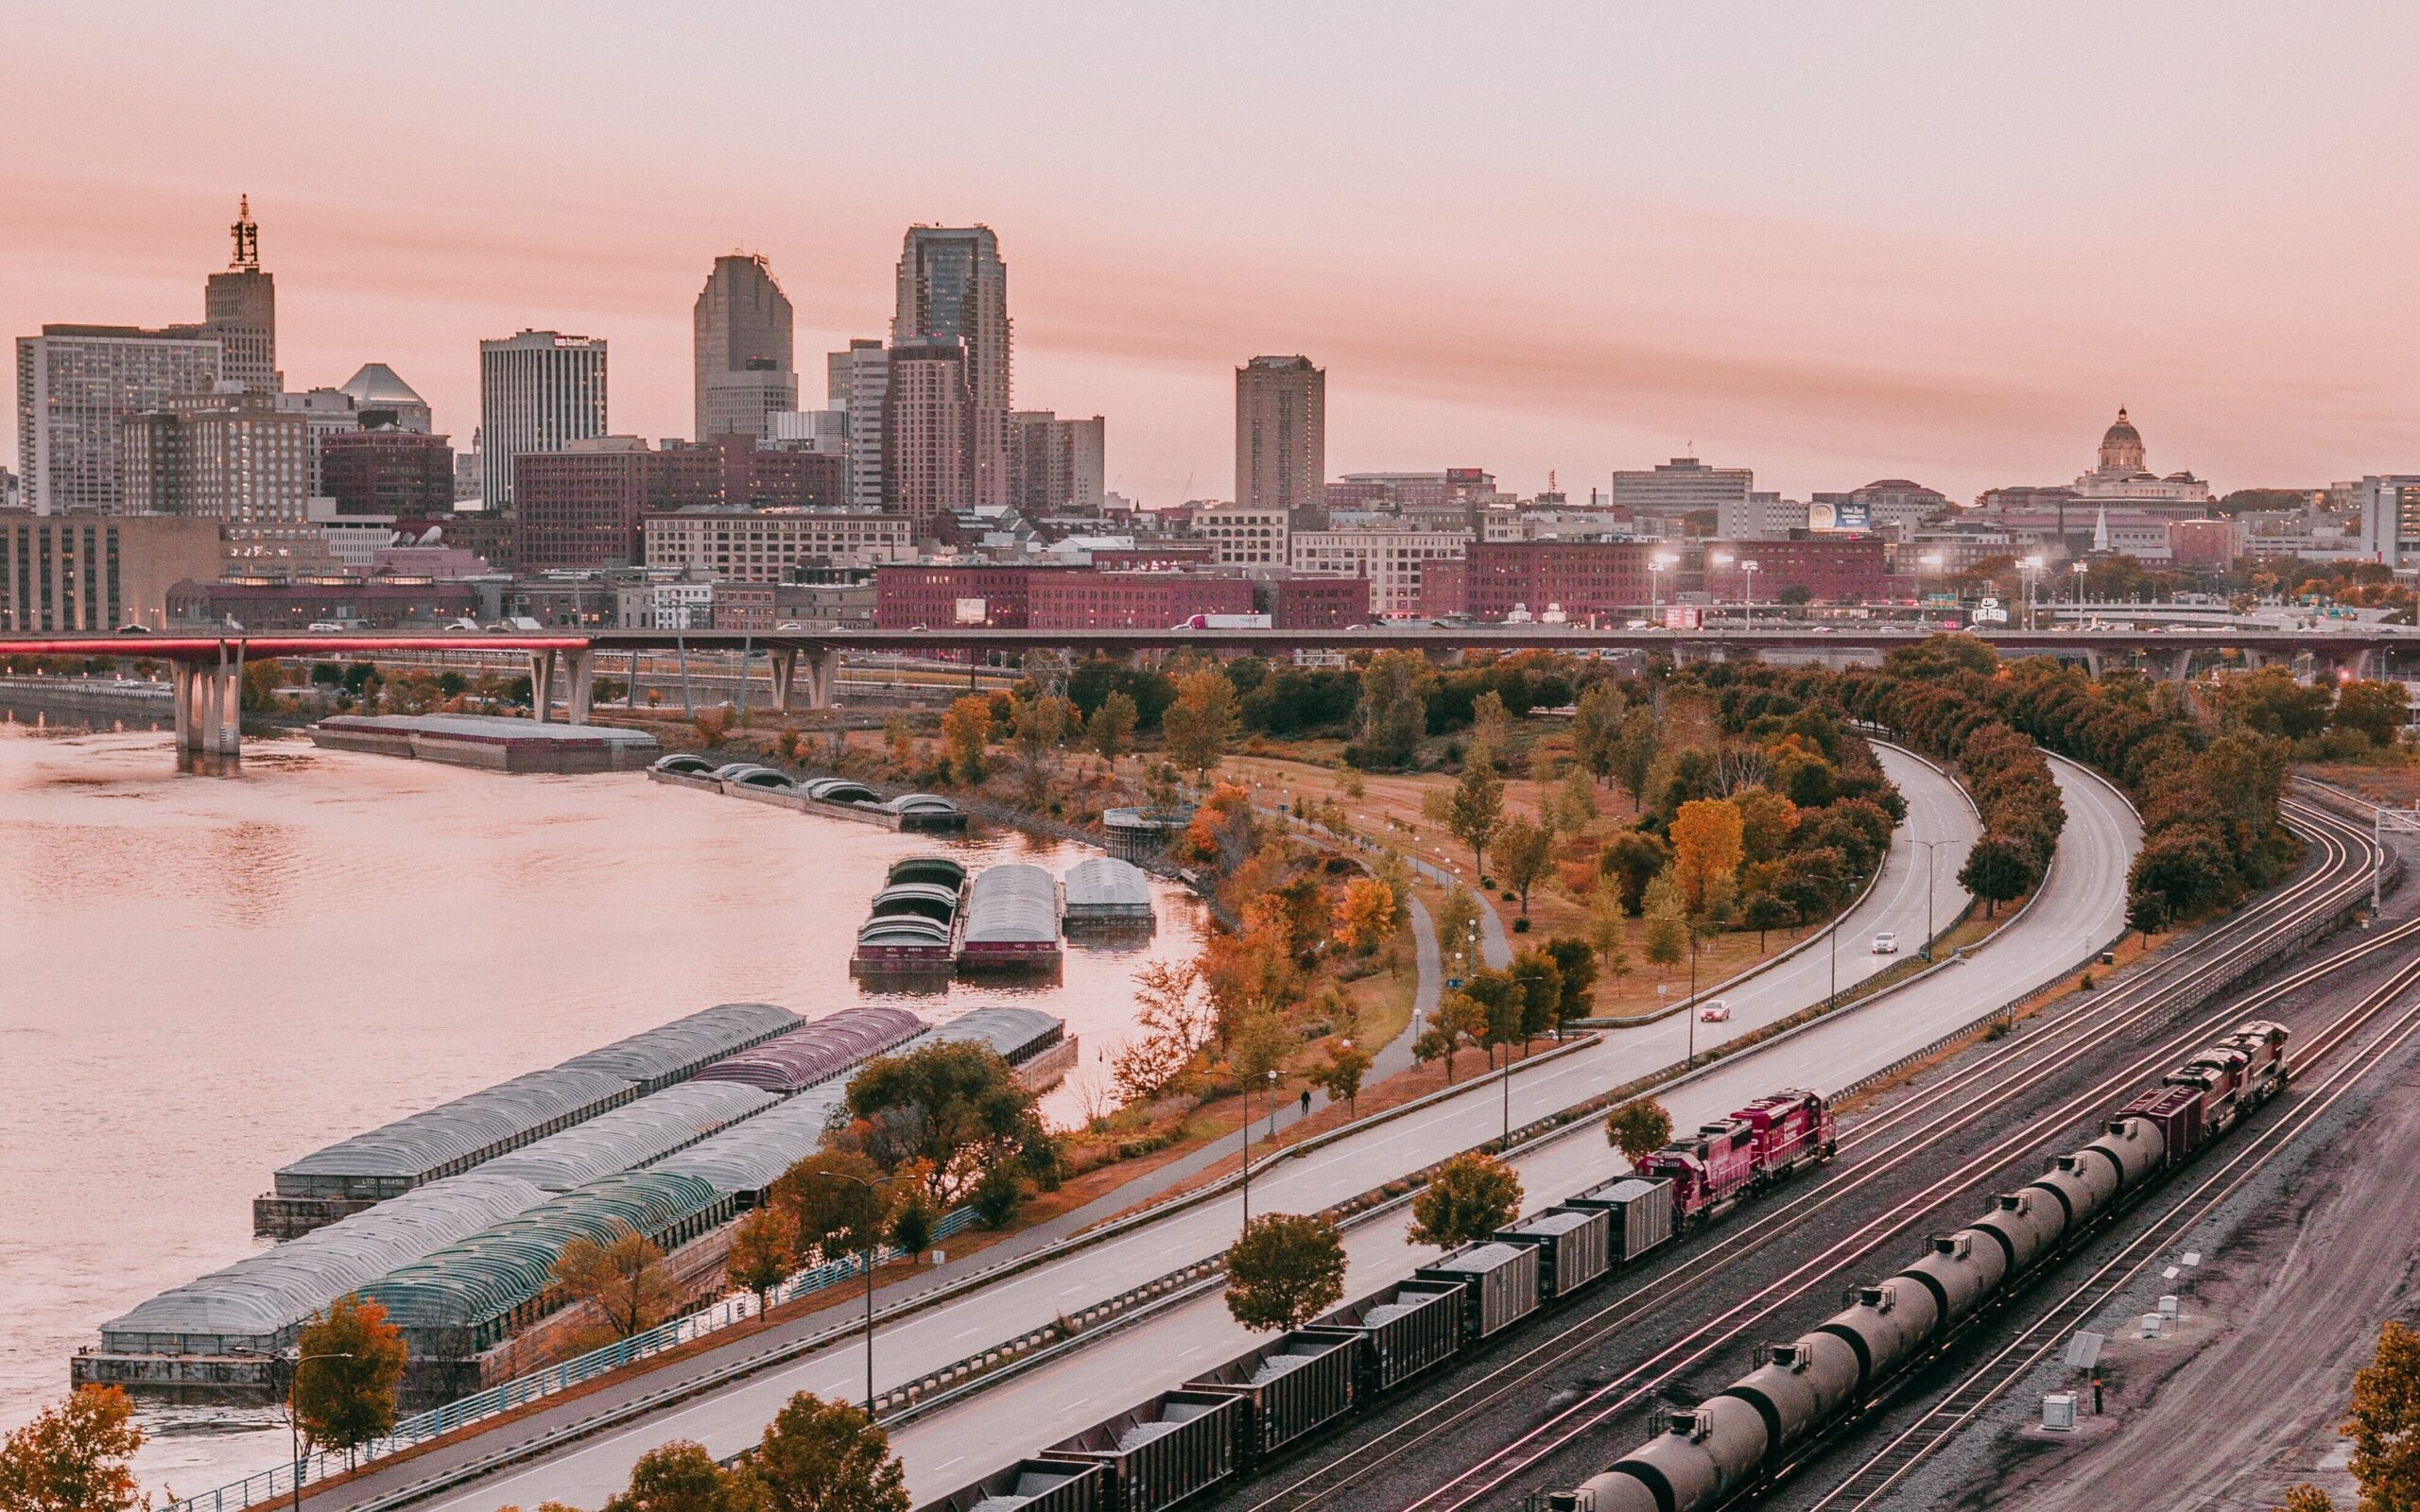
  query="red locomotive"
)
[
  {"x": 2210, "y": 1093},
  {"x": 1758, "y": 1145}
]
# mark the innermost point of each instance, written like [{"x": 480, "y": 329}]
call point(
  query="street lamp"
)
[
  {"x": 1929, "y": 846},
  {"x": 1662, "y": 562},
  {"x": 1273, "y": 1102},
  {"x": 1751, "y": 568},
  {"x": 293, "y": 1423},
  {"x": 2032, "y": 568},
  {"x": 864, "y": 1257},
  {"x": 2078, "y": 570}
]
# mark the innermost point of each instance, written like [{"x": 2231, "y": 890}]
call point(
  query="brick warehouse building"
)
[
  {"x": 1601, "y": 580},
  {"x": 1840, "y": 570},
  {"x": 584, "y": 507}
]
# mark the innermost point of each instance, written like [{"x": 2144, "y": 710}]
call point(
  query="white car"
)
[
  {"x": 1717, "y": 1011},
  {"x": 1886, "y": 943}
]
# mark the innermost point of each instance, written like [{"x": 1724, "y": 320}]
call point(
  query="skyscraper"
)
[
  {"x": 539, "y": 391},
  {"x": 76, "y": 385},
  {"x": 1280, "y": 435},
  {"x": 954, "y": 287},
  {"x": 927, "y": 422},
  {"x": 239, "y": 309},
  {"x": 857, "y": 382},
  {"x": 744, "y": 355},
  {"x": 1055, "y": 465}
]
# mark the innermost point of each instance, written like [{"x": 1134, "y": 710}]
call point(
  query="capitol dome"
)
[{"x": 2121, "y": 447}]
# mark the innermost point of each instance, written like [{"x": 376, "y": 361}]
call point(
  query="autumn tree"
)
[
  {"x": 1260, "y": 1044},
  {"x": 1996, "y": 870},
  {"x": 1638, "y": 1128},
  {"x": 1597, "y": 729},
  {"x": 898, "y": 737},
  {"x": 1538, "y": 995},
  {"x": 1200, "y": 725},
  {"x": 762, "y": 1247},
  {"x": 1287, "y": 1270},
  {"x": 1491, "y": 725},
  {"x": 1575, "y": 802},
  {"x": 1110, "y": 729},
  {"x": 966, "y": 731},
  {"x": 1365, "y": 915},
  {"x": 827, "y": 1457},
  {"x": 1470, "y": 1196},
  {"x": 835, "y": 1202},
  {"x": 1477, "y": 806},
  {"x": 74, "y": 1457},
  {"x": 2376, "y": 709},
  {"x": 1605, "y": 931},
  {"x": 1634, "y": 752},
  {"x": 1340, "y": 1077},
  {"x": 624, "y": 1278},
  {"x": 1765, "y": 820},
  {"x": 2306, "y": 1498},
  {"x": 1667, "y": 925},
  {"x": 1632, "y": 858},
  {"x": 1707, "y": 848},
  {"x": 680, "y": 1476},
  {"x": 349, "y": 1362},
  {"x": 1393, "y": 711},
  {"x": 1173, "y": 1019},
  {"x": 2384, "y": 1423},
  {"x": 1041, "y": 722},
  {"x": 1575, "y": 962},
  {"x": 1458, "y": 1020},
  {"x": 1523, "y": 852}
]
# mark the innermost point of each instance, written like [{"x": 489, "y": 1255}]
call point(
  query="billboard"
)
[
  {"x": 972, "y": 612},
  {"x": 1682, "y": 617},
  {"x": 1840, "y": 516}
]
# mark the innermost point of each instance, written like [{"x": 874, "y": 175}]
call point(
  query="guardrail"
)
[{"x": 420, "y": 1428}]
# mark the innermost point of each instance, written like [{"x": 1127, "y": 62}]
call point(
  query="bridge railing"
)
[{"x": 420, "y": 1428}]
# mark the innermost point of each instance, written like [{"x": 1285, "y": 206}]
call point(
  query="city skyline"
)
[{"x": 1867, "y": 294}]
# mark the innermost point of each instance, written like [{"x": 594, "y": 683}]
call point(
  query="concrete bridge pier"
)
[
  {"x": 542, "y": 682},
  {"x": 209, "y": 703},
  {"x": 784, "y": 673},
  {"x": 580, "y": 691},
  {"x": 822, "y": 676}
]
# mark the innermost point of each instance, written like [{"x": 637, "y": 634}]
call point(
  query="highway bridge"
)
[{"x": 208, "y": 665}]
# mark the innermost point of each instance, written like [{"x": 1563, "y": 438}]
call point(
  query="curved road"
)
[{"x": 2080, "y": 908}]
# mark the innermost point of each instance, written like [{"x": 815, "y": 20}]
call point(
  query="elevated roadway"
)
[{"x": 2080, "y": 909}]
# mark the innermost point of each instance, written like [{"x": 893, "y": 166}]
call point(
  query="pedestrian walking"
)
[{"x": 1307, "y": 1102}]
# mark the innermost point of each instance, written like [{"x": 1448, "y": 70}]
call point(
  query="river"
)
[{"x": 204, "y": 976}]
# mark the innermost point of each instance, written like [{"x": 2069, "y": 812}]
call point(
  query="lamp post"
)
[
  {"x": 2031, "y": 567},
  {"x": 2077, "y": 569},
  {"x": 865, "y": 1258},
  {"x": 1662, "y": 562},
  {"x": 1273, "y": 1102},
  {"x": 1929, "y": 846},
  {"x": 293, "y": 1423},
  {"x": 1750, "y": 567}
]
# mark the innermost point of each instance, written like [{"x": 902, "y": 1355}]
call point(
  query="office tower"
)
[
  {"x": 76, "y": 385},
  {"x": 1055, "y": 465},
  {"x": 383, "y": 400},
  {"x": 239, "y": 310},
  {"x": 927, "y": 431},
  {"x": 857, "y": 381},
  {"x": 953, "y": 286},
  {"x": 1280, "y": 435},
  {"x": 742, "y": 349},
  {"x": 1683, "y": 496},
  {"x": 407, "y": 474},
  {"x": 242, "y": 459},
  {"x": 539, "y": 391}
]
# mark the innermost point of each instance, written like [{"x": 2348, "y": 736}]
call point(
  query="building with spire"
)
[
  {"x": 745, "y": 368},
  {"x": 239, "y": 311},
  {"x": 953, "y": 287}
]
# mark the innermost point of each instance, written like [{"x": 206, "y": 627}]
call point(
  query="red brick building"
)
[
  {"x": 582, "y": 508},
  {"x": 1081, "y": 600},
  {"x": 387, "y": 472},
  {"x": 1444, "y": 587},
  {"x": 2202, "y": 543},
  {"x": 1583, "y": 578},
  {"x": 1315, "y": 603},
  {"x": 1847, "y": 570},
  {"x": 937, "y": 596},
  {"x": 1146, "y": 559}
]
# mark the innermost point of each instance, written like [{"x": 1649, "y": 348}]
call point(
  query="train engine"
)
[{"x": 1756, "y": 1148}]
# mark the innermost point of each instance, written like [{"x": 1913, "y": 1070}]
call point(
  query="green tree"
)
[
  {"x": 762, "y": 1245},
  {"x": 1638, "y": 1128},
  {"x": 2384, "y": 1423},
  {"x": 1040, "y": 723},
  {"x": 1340, "y": 1077},
  {"x": 912, "y": 1214},
  {"x": 1111, "y": 730},
  {"x": 1539, "y": 1006},
  {"x": 624, "y": 1278},
  {"x": 966, "y": 733},
  {"x": 1459, "y": 1020},
  {"x": 2376, "y": 709},
  {"x": 1287, "y": 1270},
  {"x": 1575, "y": 802},
  {"x": 1633, "y": 859},
  {"x": 1635, "y": 752},
  {"x": 835, "y": 1202},
  {"x": 1523, "y": 852},
  {"x": 74, "y": 1457},
  {"x": 1575, "y": 962},
  {"x": 343, "y": 1392},
  {"x": 1393, "y": 710},
  {"x": 828, "y": 1456},
  {"x": 1491, "y": 725},
  {"x": 1667, "y": 926},
  {"x": 1597, "y": 729},
  {"x": 950, "y": 1111},
  {"x": 1605, "y": 934},
  {"x": 1477, "y": 806},
  {"x": 1996, "y": 870},
  {"x": 1200, "y": 725},
  {"x": 1765, "y": 911},
  {"x": 1260, "y": 1043},
  {"x": 680, "y": 1476},
  {"x": 1470, "y": 1196}
]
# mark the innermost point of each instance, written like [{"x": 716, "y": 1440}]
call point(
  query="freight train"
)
[
  {"x": 1231, "y": 1421},
  {"x": 1709, "y": 1454}
]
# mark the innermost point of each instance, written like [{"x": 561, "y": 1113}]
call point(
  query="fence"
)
[{"x": 420, "y": 1428}]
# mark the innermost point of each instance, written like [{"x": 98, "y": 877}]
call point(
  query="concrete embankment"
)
[{"x": 491, "y": 744}]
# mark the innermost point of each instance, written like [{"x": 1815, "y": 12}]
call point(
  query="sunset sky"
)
[{"x": 1834, "y": 242}]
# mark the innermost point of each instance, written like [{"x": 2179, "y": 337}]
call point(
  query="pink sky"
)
[{"x": 1832, "y": 243}]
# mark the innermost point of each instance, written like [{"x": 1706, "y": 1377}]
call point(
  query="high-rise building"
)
[
  {"x": 93, "y": 574},
  {"x": 927, "y": 431},
  {"x": 239, "y": 458},
  {"x": 239, "y": 311},
  {"x": 539, "y": 391},
  {"x": 954, "y": 287},
  {"x": 2389, "y": 512},
  {"x": 408, "y": 474},
  {"x": 384, "y": 401},
  {"x": 1056, "y": 466},
  {"x": 856, "y": 383},
  {"x": 1280, "y": 435},
  {"x": 743, "y": 348},
  {"x": 585, "y": 506},
  {"x": 76, "y": 385},
  {"x": 1682, "y": 486}
]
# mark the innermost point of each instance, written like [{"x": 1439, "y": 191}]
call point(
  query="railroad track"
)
[
  {"x": 1966, "y": 1094},
  {"x": 1889, "y": 1467}
]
